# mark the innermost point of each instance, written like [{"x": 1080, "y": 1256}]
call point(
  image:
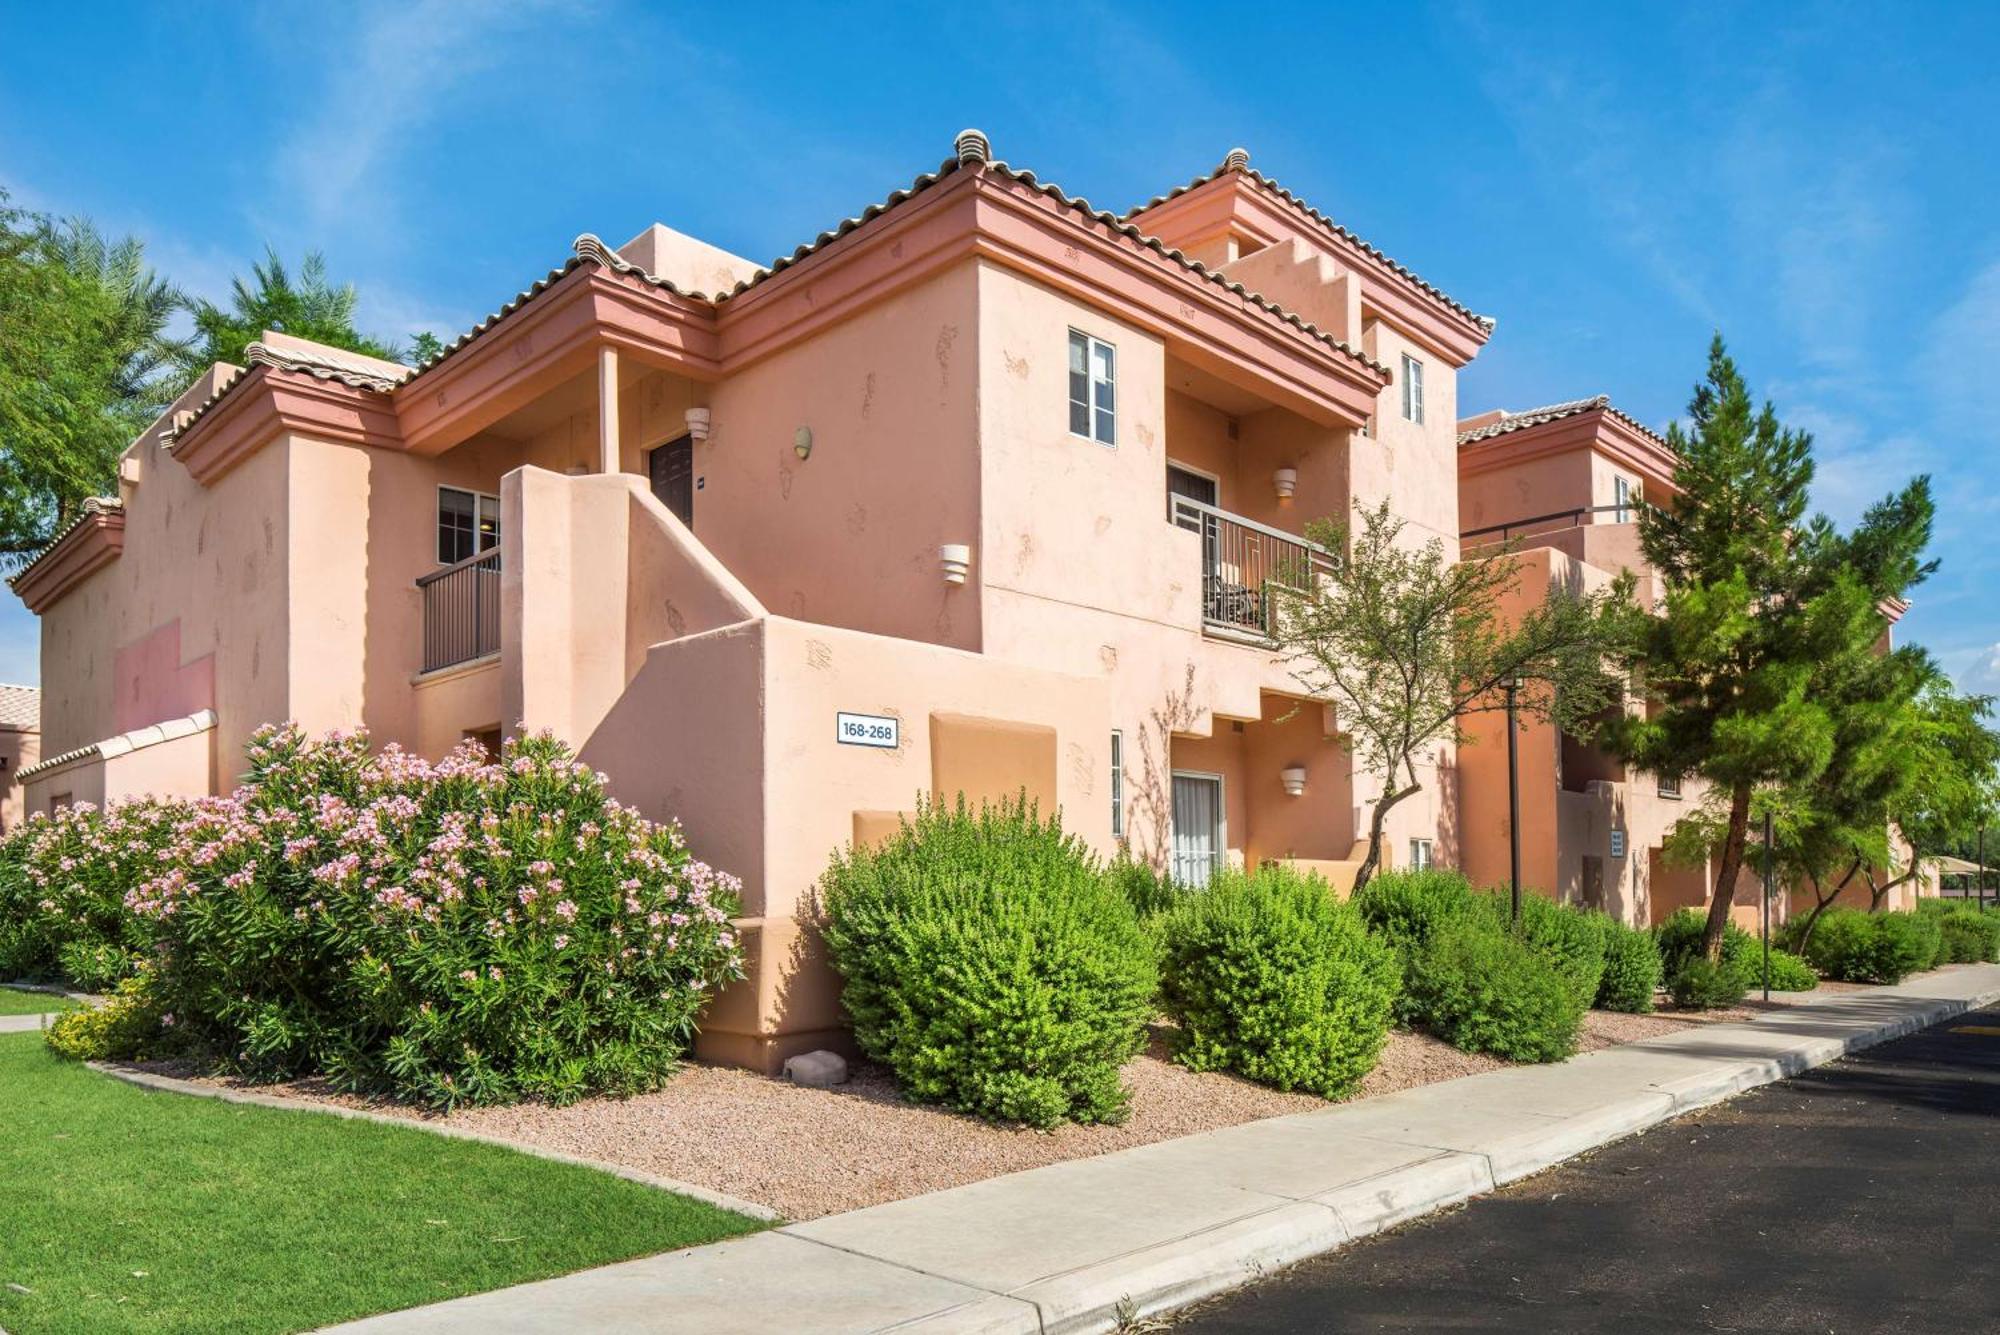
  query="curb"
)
[
  {"x": 171, "y": 1085},
  {"x": 1156, "y": 1280}
]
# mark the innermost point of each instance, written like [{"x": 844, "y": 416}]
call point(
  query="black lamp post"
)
[
  {"x": 1770, "y": 864},
  {"x": 1513, "y": 797},
  {"x": 1982, "y": 868}
]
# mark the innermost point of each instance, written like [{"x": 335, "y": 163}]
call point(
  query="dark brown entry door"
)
[{"x": 671, "y": 470}]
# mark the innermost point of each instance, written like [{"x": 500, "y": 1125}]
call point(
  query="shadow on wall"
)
[{"x": 1152, "y": 801}]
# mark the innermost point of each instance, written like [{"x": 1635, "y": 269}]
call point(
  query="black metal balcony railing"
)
[
  {"x": 1242, "y": 561},
  {"x": 461, "y": 610}
]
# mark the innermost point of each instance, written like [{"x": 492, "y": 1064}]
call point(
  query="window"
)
[
  {"x": 1621, "y": 493},
  {"x": 468, "y": 523},
  {"x": 1670, "y": 787},
  {"x": 1413, "y": 389},
  {"x": 1420, "y": 854},
  {"x": 1093, "y": 376},
  {"x": 1117, "y": 784}
]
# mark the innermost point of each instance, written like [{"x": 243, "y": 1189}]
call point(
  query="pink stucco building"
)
[{"x": 979, "y": 491}]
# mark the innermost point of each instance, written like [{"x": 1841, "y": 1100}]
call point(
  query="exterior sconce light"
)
[
  {"x": 698, "y": 423},
  {"x": 1286, "y": 481},
  {"x": 802, "y": 442},
  {"x": 1295, "y": 779},
  {"x": 956, "y": 558}
]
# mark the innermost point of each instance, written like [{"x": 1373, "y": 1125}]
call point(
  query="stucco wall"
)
[{"x": 19, "y": 748}]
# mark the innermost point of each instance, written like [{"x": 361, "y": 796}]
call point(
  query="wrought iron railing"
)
[
  {"x": 1243, "y": 562},
  {"x": 461, "y": 610}
]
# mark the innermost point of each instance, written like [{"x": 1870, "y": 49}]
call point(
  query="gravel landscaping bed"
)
[{"x": 810, "y": 1152}]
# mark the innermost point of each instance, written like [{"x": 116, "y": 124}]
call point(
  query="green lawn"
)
[
  {"x": 124, "y": 1209},
  {"x": 13, "y": 1001}
]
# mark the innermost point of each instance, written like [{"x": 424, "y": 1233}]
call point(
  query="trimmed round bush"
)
[
  {"x": 1406, "y": 908},
  {"x": 992, "y": 965},
  {"x": 1485, "y": 990},
  {"x": 1150, "y": 892},
  {"x": 1701, "y": 983},
  {"x": 1571, "y": 940},
  {"x": 1680, "y": 936},
  {"x": 1789, "y": 972},
  {"x": 1855, "y": 946},
  {"x": 124, "y": 1026},
  {"x": 1269, "y": 975},
  {"x": 1969, "y": 937},
  {"x": 1631, "y": 969}
]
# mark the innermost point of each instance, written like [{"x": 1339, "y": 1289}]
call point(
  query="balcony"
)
[
  {"x": 461, "y": 611},
  {"x": 1242, "y": 563}
]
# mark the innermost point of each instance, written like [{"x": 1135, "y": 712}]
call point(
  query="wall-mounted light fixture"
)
[
  {"x": 802, "y": 442},
  {"x": 1295, "y": 779},
  {"x": 698, "y": 424},
  {"x": 1285, "y": 481},
  {"x": 956, "y": 558}
]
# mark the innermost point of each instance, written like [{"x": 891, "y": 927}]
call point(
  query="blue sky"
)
[{"x": 1612, "y": 182}]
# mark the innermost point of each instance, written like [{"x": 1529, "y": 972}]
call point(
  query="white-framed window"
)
[
  {"x": 1117, "y": 784},
  {"x": 1413, "y": 389},
  {"x": 468, "y": 523},
  {"x": 1420, "y": 854},
  {"x": 1670, "y": 787},
  {"x": 1093, "y": 382},
  {"x": 1621, "y": 495},
  {"x": 1201, "y": 828}
]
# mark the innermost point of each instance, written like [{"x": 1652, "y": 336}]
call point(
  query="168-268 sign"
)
[{"x": 883, "y": 730}]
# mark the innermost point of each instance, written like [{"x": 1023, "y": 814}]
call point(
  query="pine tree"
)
[{"x": 1766, "y": 615}]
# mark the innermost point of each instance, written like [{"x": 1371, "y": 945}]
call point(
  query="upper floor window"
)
[
  {"x": 1413, "y": 389},
  {"x": 1093, "y": 379},
  {"x": 1670, "y": 787},
  {"x": 1621, "y": 495},
  {"x": 468, "y": 523}
]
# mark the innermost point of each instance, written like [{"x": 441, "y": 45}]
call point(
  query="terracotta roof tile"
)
[
  {"x": 1555, "y": 412},
  {"x": 94, "y": 505},
  {"x": 1239, "y": 161},
  {"x": 20, "y": 707}
]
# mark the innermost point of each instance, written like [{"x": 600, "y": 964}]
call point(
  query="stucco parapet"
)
[
  {"x": 87, "y": 543},
  {"x": 124, "y": 743},
  {"x": 1593, "y": 424},
  {"x": 1237, "y": 164}
]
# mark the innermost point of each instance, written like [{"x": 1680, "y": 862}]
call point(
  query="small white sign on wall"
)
[
  {"x": 883, "y": 730},
  {"x": 1618, "y": 843}
]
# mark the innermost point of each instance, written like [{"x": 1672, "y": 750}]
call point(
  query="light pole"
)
[
  {"x": 1982, "y": 868},
  {"x": 1513, "y": 797},
  {"x": 1770, "y": 864}
]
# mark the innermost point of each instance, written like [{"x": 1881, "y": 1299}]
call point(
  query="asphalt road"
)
[{"x": 1860, "y": 1197}]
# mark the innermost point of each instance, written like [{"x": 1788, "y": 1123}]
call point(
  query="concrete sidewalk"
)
[{"x": 1076, "y": 1246}]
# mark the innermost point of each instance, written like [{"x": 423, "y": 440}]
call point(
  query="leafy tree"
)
[
  {"x": 82, "y": 355},
  {"x": 1407, "y": 644},
  {"x": 1767, "y": 617},
  {"x": 309, "y": 306},
  {"x": 1954, "y": 788},
  {"x": 425, "y": 348}
]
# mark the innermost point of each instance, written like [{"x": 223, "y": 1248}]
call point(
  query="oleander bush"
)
[
  {"x": 1570, "y": 939},
  {"x": 1856, "y": 946},
  {"x": 1968, "y": 936},
  {"x": 1484, "y": 989},
  {"x": 1269, "y": 975},
  {"x": 459, "y": 932},
  {"x": 1701, "y": 983},
  {"x": 1631, "y": 969},
  {"x": 992, "y": 965},
  {"x": 63, "y": 880}
]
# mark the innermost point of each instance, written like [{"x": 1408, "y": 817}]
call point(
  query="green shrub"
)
[
  {"x": 1789, "y": 973},
  {"x": 1631, "y": 969},
  {"x": 1704, "y": 984},
  {"x": 1482, "y": 989},
  {"x": 1149, "y": 891},
  {"x": 992, "y": 965},
  {"x": 1969, "y": 936},
  {"x": 1571, "y": 940},
  {"x": 1680, "y": 937},
  {"x": 1406, "y": 908},
  {"x": 127, "y": 1024},
  {"x": 1855, "y": 946},
  {"x": 1270, "y": 976}
]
